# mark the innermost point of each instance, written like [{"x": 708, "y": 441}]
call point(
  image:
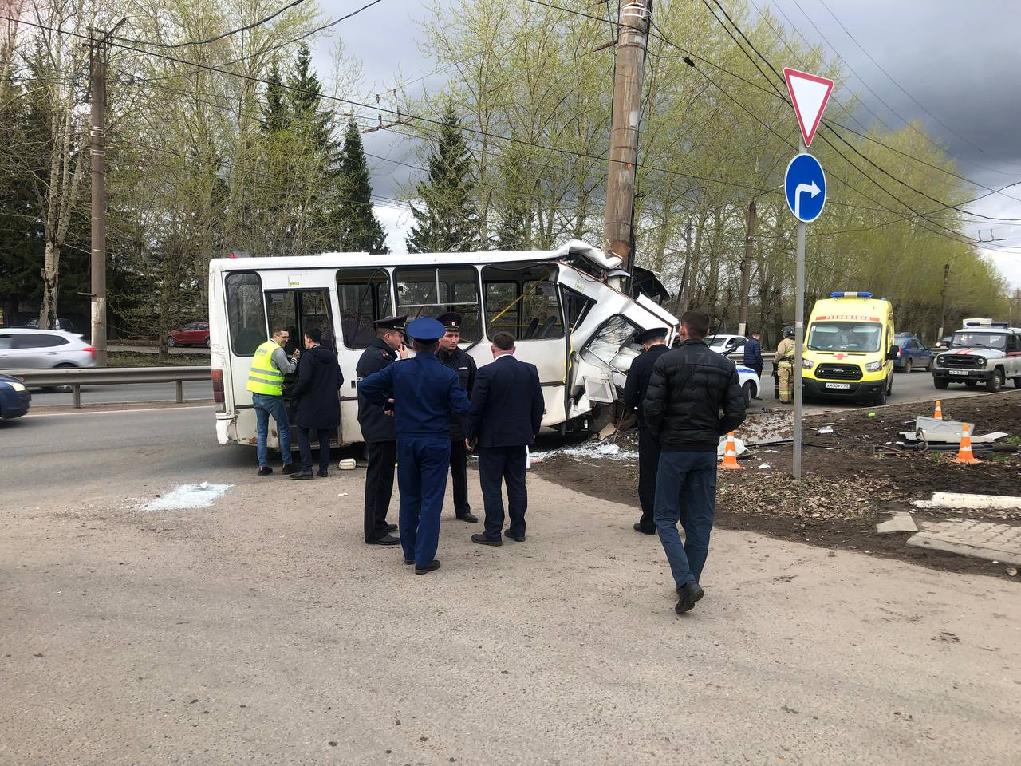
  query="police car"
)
[{"x": 749, "y": 382}]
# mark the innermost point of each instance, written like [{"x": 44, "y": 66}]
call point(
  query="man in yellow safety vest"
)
[{"x": 266, "y": 382}]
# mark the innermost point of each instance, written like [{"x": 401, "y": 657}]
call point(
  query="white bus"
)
[{"x": 569, "y": 321}]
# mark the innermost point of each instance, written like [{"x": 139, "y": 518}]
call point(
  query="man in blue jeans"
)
[
  {"x": 694, "y": 397},
  {"x": 266, "y": 383}
]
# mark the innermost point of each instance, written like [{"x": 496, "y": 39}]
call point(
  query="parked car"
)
[
  {"x": 63, "y": 323},
  {"x": 912, "y": 354},
  {"x": 23, "y": 349},
  {"x": 193, "y": 334},
  {"x": 983, "y": 352},
  {"x": 14, "y": 398},
  {"x": 749, "y": 383},
  {"x": 728, "y": 345}
]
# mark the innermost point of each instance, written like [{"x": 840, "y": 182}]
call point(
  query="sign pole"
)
[{"x": 799, "y": 338}]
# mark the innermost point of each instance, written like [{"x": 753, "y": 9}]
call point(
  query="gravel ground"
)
[{"x": 261, "y": 630}]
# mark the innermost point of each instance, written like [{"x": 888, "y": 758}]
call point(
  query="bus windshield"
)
[{"x": 861, "y": 337}]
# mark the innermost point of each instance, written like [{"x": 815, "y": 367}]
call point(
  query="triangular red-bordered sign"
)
[{"x": 809, "y": 94}]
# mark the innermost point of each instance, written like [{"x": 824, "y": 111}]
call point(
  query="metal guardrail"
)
[{"x": 110, "y": 376}]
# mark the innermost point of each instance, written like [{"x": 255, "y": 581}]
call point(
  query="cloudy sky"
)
[{"x": 949, "y": 64}]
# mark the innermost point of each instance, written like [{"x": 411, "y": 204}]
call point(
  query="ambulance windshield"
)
[{"x": 860, "y": 337}]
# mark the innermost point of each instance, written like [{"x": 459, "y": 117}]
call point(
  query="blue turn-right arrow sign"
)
[{"x": 805, "y": 187}]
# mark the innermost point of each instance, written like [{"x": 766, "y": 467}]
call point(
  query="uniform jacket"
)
[
  {"x": 637, "y": 380},
  {"x": 425, "y": 394},
  {"x": 507, "y": 404},
  {"x": 464, "y": 367},
  {"x": 753, "y": 354},
  {"x": 785, "y": 351},
  {"x": 314, "y": 396},
  {"x": 694, "y": 397},
  {"x": 376, "y": 425}
]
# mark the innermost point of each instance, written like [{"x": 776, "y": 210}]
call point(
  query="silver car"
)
[{"x": 23, "y": 349}]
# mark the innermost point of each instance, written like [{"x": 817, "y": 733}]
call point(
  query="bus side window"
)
[
  {"x": 246, "y": 315},
  {"x": 431, "y": 291},
  {"x": 576, "y": 307},
  {"x": 522, "y": 300},
  {"x": 364, "y": 297}
]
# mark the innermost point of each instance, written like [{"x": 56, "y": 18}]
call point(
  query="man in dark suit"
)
[
  {"x": 454, "y": 357},
  {"x": 315, "y": 401},
  {"x": 378, "y": 431},
  {"x": 654, "y": 344},
  {"x": 506, "y": 413}
]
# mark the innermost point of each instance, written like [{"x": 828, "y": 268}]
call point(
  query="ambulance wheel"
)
[{"x": 881, "y": 396}]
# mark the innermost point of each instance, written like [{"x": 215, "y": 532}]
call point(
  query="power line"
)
[{"x": 206, "y": 41}]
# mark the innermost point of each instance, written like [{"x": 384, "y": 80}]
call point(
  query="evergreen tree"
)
[
  {"x": 448, "y": 221},
  {"x": 305, "y": 95},
  {"x": 352, "y": 221},
  {"x": 275, "y": 113}
]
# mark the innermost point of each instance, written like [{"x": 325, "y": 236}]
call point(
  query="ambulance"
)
[{"x": 849, "y": 348}]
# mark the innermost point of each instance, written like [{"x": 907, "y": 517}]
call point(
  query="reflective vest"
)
[{"x": 264, "y": 377}]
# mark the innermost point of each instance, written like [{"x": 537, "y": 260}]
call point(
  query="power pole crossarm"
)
[{"x": 632, "y": 43}]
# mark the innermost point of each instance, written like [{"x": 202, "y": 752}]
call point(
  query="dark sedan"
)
[
  {"x": 14, "y": 398},
  {"x": 912, "y": 354}
]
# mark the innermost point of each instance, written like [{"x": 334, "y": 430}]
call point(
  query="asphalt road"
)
[{"x": 263, "y": 630}]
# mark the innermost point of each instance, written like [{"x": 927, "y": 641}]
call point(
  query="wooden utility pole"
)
[
  {"x": 98, "y": 51},
  {"x": 943, "y": 303},
  {"x": 632, "y": 42}
]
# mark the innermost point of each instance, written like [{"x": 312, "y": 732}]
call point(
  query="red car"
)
[{"x": 193, "y": 334}]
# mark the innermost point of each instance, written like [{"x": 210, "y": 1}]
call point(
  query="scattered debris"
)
[
  {"x": 347, "y": 464},
  {"x": 900, "y": 522},
  {"x": 825, "y": 430},
  {"x": 187, "y": 496},
  {"x": 764, "y": 466}
]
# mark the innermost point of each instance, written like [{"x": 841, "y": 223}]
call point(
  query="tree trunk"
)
[{"x": 751, "y": 224}]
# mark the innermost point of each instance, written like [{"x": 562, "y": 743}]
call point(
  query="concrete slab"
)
[
  {"x": 900, "y": 522},
  {"x": 980, "y": 539},
  {"x": 966, "y": 500}
]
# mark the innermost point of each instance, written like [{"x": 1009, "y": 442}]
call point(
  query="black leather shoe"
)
[
  {"x": 323, "y": 474},
  {"x": 483, "y": 540},
  {"x": 265, "y": 470},
  {"x": 515, "y": 538},
  {"x": 469, "y": 517},
  {"x": 386, "y": 539},
  {"x": 409, "y": 562},
  {"x": 431, "y": 567},
  {"x": 391, "y": 527},
  {"x": 289, "y": 469},
  {"x": 637, "y": 526},
  {"x": 305, "y": 475},
  {"x": 690, "y": 594}
]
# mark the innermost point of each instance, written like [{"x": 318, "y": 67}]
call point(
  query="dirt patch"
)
[{"x": 853, "y": 478}]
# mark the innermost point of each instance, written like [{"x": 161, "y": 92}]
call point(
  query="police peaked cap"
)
[
  {"x": 644, "y": 336},
  {"x": 426, "y": 330},
  {"x": 451, "y": 320},
  {"x": 391, "y": 323}
]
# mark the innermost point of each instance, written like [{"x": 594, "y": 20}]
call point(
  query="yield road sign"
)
[
  {"x": 805, "y": 187},
  {"x": 809, "y": 94}
]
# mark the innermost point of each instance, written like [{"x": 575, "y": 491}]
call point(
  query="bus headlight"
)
[{"x": 873, "y": 367}]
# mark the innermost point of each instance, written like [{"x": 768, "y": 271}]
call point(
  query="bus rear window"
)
[{"x": 246, "y": 314}]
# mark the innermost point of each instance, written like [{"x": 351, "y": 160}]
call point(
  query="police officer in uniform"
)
[
  {"x": 378, "y": 431},
  {"x": 424, "y": 393},
  {"x": 654, "y": 344},
  {"x": 461, "y": 362}
]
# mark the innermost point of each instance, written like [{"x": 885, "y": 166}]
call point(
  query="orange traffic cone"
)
[
  {"x": 730, "y": 454},
  {"x": 964, "y": 454},
  {"x": 938, "y": 414}
]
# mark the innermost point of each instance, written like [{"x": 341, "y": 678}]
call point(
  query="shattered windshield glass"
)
[{"x": 612, "y": 346}]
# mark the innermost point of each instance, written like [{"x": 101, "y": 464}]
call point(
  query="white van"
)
[{"x": 565, "y": 308}]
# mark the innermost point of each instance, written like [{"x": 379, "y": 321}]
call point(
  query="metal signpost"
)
[{"x": 805, "y": 190}]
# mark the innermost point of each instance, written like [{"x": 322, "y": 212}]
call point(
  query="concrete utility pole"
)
[
  {"x": 98, "y": 51},
  {"x": 943, "y": 303},
  {"x": 632, "y": 42}
]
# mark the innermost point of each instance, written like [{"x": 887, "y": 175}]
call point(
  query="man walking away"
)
[
  {"x": 424, "y": 393},
  {"x": 506, "y": 414},
  {"x": 753, "y": 355},
  {"x": 784, "y": 361},
  {"x": 266, "y": 382},
  {"x": 377, "y": 423},
  {"x": 694, "y": 397},
  {"x": 316, "y": 406},
  {"x": 451, "y": 355},
  {"x": 654, "y": 343}
]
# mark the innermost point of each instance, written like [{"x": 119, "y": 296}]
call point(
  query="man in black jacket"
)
[
  {"x": 694, "y": 397},
  {"x": 451, "y": 355},
  {"x": 378, "y": 431},
  {"x": 315, "y": 401},
  {"x": 505, "y": 416},
  {"x": 654, "y": 343}
]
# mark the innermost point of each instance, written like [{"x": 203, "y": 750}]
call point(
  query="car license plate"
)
[
  {"x": 839, "y": 386},
  {"x": 958, "y": 372}
]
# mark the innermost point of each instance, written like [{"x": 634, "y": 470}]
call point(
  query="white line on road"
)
[{"x": 115, "y": 412}]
